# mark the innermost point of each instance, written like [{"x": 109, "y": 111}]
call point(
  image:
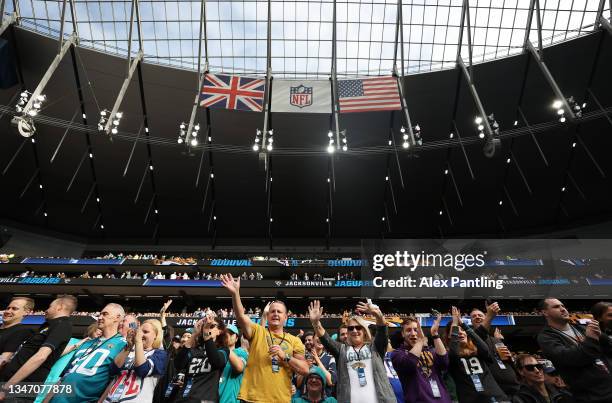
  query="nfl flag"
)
[
  {"x": 369, "y": 94},
  {"x": 301, "y": 96},
  {"x": 232, "y": 92}
]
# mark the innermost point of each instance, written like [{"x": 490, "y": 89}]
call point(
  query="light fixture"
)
[
  {"x": 574, "y": 144},
  {"x": 180, "y": 140},
  {"x": 98, "y": 199},
  {"x": 383, "y": 218},
  {"x": 215, "y": 217},
  {"x": 212, "y": 175},
  {"x": 451, "y": 135},
  {"x": 45, "y": 214},
  {"x": 331, "y": 149},
  {"x": 440, "y": 212},
  {"x": 516, "y": 123},
  {"x": 114, "y": 130},
  {"x": 194, "y": 142},
  {"x": 508, "y": 160},
  {"x": 563, "y": 189},
  {"x": 478, "y": 120},
  {"x": 102, "y": 226},
  {"x": 557, "y": 104},
  {"x": 481, "y": 135},
  {"x": 446, "y": 172},
  {"x": 387, "y": 178},
  {"x": 91, "y": 155},
  {"x": 405, "y": 144},
  {"x": 40, "y": 186},
  {"x": 501, "y": 202},
  {"x": 156, "y": 211},
  {"x": 119, "y": 115},
  {"x": 269, "y": 147},
  {"x": 255, "y": 147},
  {"x": 150, "y": 167}
]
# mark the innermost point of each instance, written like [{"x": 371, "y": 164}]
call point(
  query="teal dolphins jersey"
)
[{"x": 89, "y": 371}]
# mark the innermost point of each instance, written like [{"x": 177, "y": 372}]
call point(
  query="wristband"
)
[
  {"x": 436, "y": 336},
  {"x": 287, "y": 358}
]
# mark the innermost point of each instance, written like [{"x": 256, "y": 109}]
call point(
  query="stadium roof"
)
[
  {"x": 301, "y": 31},
  {"x": 140, "y": 184}
]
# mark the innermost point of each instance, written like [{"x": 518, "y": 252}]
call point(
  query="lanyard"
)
[
  {"x": 357, "y": 352},
  {"x": 98, "y": 345},
  {"x": 271, "y": 343}
]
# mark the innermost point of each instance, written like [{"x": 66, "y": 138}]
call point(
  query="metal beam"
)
[
  {"x": 481, "y": 111},
  {"x": 123, "y": 90},
  {"x": 600, "y": 20},
  {"x": 551, "y": 81},
  {"x": 605, "y": 24},
  {"x": 203, "y": 37},
  {"x": 8, "y": 22},
  {"x": 266, "y": 105},
  {"x": 49, "y": 73}
]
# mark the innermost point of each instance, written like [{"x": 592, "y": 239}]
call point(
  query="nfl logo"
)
[{"x": 300, "y": 96}]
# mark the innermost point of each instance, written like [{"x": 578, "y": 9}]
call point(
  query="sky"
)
[{"x": 301, "y": 32}]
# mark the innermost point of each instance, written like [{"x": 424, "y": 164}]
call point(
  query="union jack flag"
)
[{"x": 233, "y": 92}]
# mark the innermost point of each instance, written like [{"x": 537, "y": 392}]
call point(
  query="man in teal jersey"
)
[
  {"x": 88, "y": 373},
  {"x": 231, "y": 378}
]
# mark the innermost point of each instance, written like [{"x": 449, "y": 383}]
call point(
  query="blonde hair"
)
[
  {"x": 367, "y": 336},
  {"x": 159, "y": 333}
]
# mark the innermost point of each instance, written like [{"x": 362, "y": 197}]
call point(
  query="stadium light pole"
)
[
  {"x": 131, "y": 68},
  {"x": 203, "y": 37},
  {"x": 24, "y": 120},
  {"x": 400, "y": 77},
  {"x": 492, "y": 144},
  {"x": 537, "y": 55}
]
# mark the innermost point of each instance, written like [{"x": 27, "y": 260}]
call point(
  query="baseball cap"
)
[
  {"x": 233, "y": 329},
  {"x": 177, "y": 338},
  {"x": 316, "y": 371},
  {"x": 189, "y": 330}
]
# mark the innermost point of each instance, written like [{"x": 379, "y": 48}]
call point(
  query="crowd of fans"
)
[{"x": 121, "y": 359}]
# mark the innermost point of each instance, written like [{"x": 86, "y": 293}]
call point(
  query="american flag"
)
[
  {"x": 232, "y": 92},
  {"x": 369, "y": 94}
]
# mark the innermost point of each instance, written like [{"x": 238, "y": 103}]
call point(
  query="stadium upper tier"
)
[{"x": 368, "y": 37}]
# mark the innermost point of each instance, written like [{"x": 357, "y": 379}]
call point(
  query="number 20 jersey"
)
[
  {"x": 89, "y": 370},
  {"x": 203, "y": 378}
]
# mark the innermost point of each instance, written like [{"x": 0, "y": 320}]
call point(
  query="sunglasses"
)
[
  {"x": 532, "y": 367},
  {"x": 351, "y": 328}
]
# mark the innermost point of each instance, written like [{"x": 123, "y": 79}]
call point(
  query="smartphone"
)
[{"x": 133, "y": 325}]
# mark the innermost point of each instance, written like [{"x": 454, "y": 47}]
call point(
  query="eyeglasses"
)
[
  {"x": 532, "y": 367},
  {"x": 351, "y": 328}
]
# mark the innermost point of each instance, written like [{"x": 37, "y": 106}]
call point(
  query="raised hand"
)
[
  {"x": 165, "y": 307},
  {"x": 372, "y": 309},
  {"x": 435, "y": 327},
  {"x": 456, "y": 315},
  {"x": 498, "y": 334},
  {"x": 420, "y": 335},
  {"x": 493, "y": 309},
  {"x": 230, "y": 283},
  {"x": 315, "y": 311},
  {"x": 593, "y": 330}
]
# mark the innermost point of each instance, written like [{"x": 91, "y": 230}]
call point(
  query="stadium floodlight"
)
[
  {"x": 104, "y": 114},
  {"x": 576, "y": 109},
  {"x": 478, "y": 120},
  {"x": 182, "y": 133},
  {"x": 194, "y": 142},
  {"x": 331, "y": 149}
]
